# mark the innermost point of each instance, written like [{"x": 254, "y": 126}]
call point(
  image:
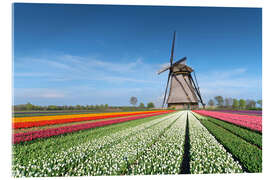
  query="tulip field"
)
[
  {"x": 26, "y": 122},
  {"x": 136, "y": 143},
  {"x": 251, "y": 122},
  {"x": 244, "y": 112},
  {"x": 28, "y": 136}
]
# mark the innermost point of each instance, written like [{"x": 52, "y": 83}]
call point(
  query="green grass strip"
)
[
  {"x": 252, "y": 137},
  {"x": 248, "y": 135},
  {"x": 249, "y": 155}
]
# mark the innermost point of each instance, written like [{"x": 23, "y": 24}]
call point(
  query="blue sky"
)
[{"x": 94, "y": 54}]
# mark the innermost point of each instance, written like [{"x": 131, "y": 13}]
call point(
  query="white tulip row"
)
[
  {"x": 101, "y": 156},
  {"x": 207, "y": 155},
  {"x": 115, "y": 160},
  {"x": 165, "y": 155}
]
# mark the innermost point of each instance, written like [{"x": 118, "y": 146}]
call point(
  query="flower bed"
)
[
  {"x": 28, "y": 136},
  {"x": 247, "y": 112},
  {"x": 27, "y": 122},
  {"x": 165, "y": 155},
  {"x": 251, "y": 122},
  {"x": 206, "y": 153},
  {"x": 98, "y": 156}
]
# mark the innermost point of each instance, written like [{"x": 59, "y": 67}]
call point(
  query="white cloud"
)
[
  {"x": 52, "y": 95},
  {"x": 125, "y": 79},
  {"x": 30, "y": 93},
  {"x": 31, "y": 74},
  {"x": 223, "y": 74},
  {"x": 85, "y": 68},
  {"x": 51, "y": 62},
  {"x": 234, "y": 83},
  {"x": 58, "y": 65},
  {"x": 230, "y": 83},
  {"x": 82, "y": 63}
]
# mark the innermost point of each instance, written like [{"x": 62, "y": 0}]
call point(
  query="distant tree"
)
[
  {"x": 150, "y": 105},
  {"x": 211, "y": 102},
  {"x": 52, "y": 107},
  {"x": 65, "y": 107},
  {"x": 235, "y": 104},
  {"x": 141, "y": 105},
  {"x": 242, "y": 104},
  {"x": 220, "y": 100},
  {"x": 259, "y": 102},
  {"x": 78, "y": 107},
  {"x": 228, "y": 102},
  {"x": 133, "y": 100},
  {"x": 253, "y": 104},
  {"x": 106, "y": 106},
  {"x": 250, "y": 104},
  {"x": 29, "y": 106}
]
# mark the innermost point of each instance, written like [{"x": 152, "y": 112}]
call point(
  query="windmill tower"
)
[{"x": 184, "y": 91}]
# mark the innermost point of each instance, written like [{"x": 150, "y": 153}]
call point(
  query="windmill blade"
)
[
  {"x": 196, "y": 80},
  {"x": 191, "y": 88},
  {"x": 171, "y": 59},
  {"x": 169, "y": 76},
  {"x": 181, "y": 61},
  {"x": 197, "y": 89},
  {"x": 163, "y": 69}
]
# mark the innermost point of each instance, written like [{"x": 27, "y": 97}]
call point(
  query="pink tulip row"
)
[
  {"x": 251, "y": 122},
  {"x": 29, "y": 136}
]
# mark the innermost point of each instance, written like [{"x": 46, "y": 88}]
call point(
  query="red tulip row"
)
[
  {"x": 28, "y": 124},
  {"x": 251, "y": 122},
  {"x": 29, "y": 136}
]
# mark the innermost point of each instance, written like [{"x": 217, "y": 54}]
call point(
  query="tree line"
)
[
  {"x": 100, "y": 107},
  {"x": 133, "y": 100},
  {"x": 29, "y": 106},
  {"x": 233, "y": 103}
]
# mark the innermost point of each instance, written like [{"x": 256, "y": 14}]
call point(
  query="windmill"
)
[{"x": 184, "y": 91}]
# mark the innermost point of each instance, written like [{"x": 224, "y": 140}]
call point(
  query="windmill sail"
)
[{"x": 164, "y": 69}]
